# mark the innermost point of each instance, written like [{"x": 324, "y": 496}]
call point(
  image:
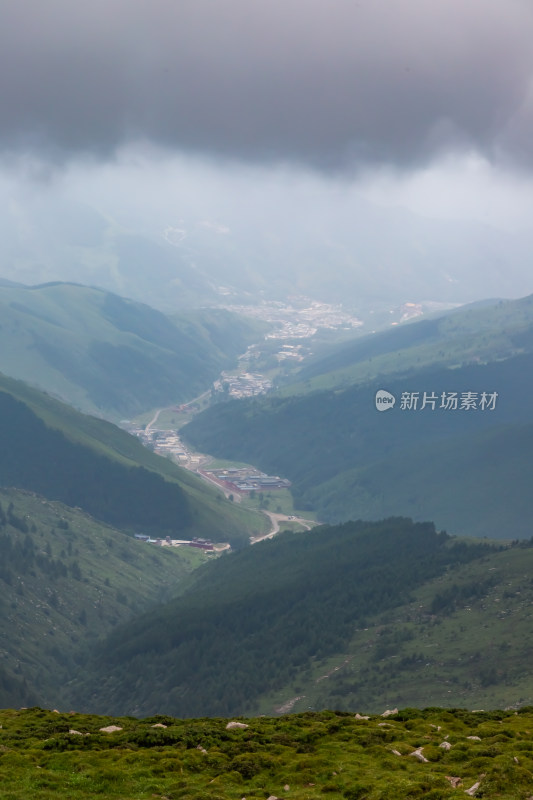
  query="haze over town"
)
[{"x": 251, "y": 147}]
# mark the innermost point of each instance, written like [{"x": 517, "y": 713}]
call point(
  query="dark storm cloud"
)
[{"x": 323, "y": 82}]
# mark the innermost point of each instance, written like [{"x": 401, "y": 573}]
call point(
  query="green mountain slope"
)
[
  {"x": 65, "y": 581},
  {"x": 304, "y": 756},
  {"x": 347, "y": 460},
  {"x": 251, "y": 624},
  {"x": 473, "y": 484},
  {"x": 52, "y": 449},
  {"x": 477, "y": 333},
  {"x": 112, "y": 356},
  {"x": 463, "y": 639}
]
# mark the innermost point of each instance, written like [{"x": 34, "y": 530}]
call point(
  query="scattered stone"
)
[
  {"x": 389, "y": 713},
  {"x": 110, "y": 729},
  {"x": 77, "y": 733},
  {"x": 473, "y": 789},
  {"x": 418, "y": 754},
  {"x": 516, "y": 761},
  {"x": 201, "y": 749},
  {"x": 358, "y": 716},
  {"x": 158, "y": 725},
  {"x": 232, "y": 725},
  {"x": 286, "y": 787},
  {"x": 272, "y": 797},
  {"x": 396, "y": 753},
  {"x": 445, "y": 745},
  {"x": 455, "y": 782},
  {"x": 474, "y": 738}
]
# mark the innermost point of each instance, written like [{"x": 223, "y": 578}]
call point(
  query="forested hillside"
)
[
  {"x": 465, "y": 468},
  {"x": 65, "y": 581},
  {"x": 250, "y": 623}
]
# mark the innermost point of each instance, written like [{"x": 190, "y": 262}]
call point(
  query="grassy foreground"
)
[{"x": 44, "y": 754}]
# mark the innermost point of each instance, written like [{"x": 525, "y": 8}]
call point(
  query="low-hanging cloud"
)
[{"x": 329, "y": 84}]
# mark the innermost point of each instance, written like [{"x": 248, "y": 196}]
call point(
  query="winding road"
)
[
  {"x": 275, "y": 520},
  {"x": 153, "y": 420}
]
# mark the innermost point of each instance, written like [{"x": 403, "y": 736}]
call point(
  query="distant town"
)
[
  {"x": 243, "y": 480},
  {"x": 246, "y": 479},
  {"x": 300, "y": 319},
  {"x": 247, "y": 384}
]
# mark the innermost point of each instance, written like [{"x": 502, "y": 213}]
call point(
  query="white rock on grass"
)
[
  {"x": 110, "y": 729},
  {"x": 232, "y": 725},
  {"x": 418, "y": 754}
]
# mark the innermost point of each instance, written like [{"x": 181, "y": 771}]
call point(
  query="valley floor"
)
[{"x": 166, "y": 441}]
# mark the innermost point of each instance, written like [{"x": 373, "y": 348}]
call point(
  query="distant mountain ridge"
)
[
  {"x": 111, "y": 356},
  {"x": 333, "y": 254}
]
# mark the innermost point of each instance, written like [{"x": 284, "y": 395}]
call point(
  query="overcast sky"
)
[{"x": 426, "y": 104}]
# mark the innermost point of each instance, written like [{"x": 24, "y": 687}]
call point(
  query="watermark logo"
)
[
  {"x": 448, "y": 401},
  {"x": 384, "y": 400},
  {"x": 441, "y": 401}
]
